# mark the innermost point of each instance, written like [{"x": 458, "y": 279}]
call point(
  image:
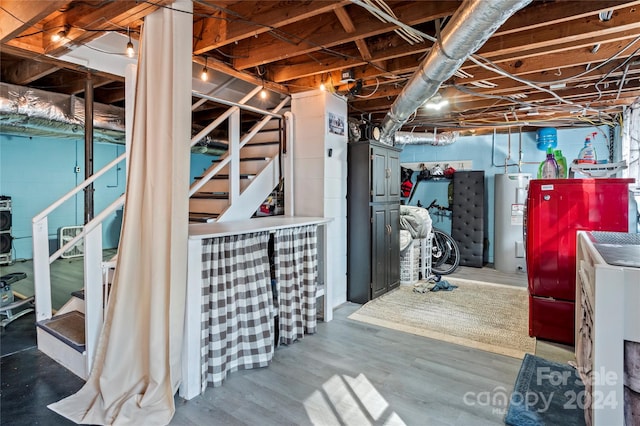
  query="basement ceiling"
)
[{"x": 553, "y": 63}]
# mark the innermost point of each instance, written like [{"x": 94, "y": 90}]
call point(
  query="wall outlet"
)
[{"x": 77, "y": 169}]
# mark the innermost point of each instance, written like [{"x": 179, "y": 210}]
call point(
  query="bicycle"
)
[{"x": 445, "y": 254}]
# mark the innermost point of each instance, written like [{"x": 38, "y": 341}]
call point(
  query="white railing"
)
[
  {"x": 97, "y": 272},
  {"x": 92, "y": 236},
  {"x": 234, "y": 148}
]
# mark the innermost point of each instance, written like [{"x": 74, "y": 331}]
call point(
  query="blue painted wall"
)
[
  {"x": 488, "y": 153},
  {"x": 36, "y": 171}
]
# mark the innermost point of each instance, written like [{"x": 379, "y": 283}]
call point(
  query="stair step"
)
[
  {"x": 79, "y": 294},
  {"x": 208, "y": 205},
  {"x": 265, "y": 136},
  {"x": 226, "y": 176},
  {"x": 246, "y": 159},
  {"x": 68, "y": 327},
  {"x": 202, "y": 217},
  {"x": 211, "y": 195},
  {"x": 262, "y": 143},
  {"x": 259, "y": 150},
  {"x": 247, "y": 167}
]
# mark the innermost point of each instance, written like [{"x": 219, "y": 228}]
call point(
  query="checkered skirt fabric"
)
[
  {"x": 296, "y": 268},
  {"x": 237, "y": 306}
]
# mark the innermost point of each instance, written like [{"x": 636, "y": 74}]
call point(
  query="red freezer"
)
[{"x": 556, "y": 210}]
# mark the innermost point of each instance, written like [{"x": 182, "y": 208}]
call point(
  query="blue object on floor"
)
[
  {"x": 546, "y": 393},
  {"x": 443, "y": 285}
]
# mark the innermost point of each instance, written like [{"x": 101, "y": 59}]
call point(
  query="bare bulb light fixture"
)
[
  {"x": 60, "y": 35},
  {"x": 263, "y": 94},
  {"x": 204, "y": 76},
  {"x": 130, "y": 49}
]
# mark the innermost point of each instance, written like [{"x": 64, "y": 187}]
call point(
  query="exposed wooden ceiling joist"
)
[{"x": 294, "y": 46}]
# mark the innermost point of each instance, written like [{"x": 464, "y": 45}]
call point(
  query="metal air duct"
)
[
  {"x": 427, "y": 138},
  {"x": 470, "y": 27},
  {"x": 31, "y": 112}
]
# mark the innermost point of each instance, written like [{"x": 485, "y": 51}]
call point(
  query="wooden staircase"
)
[
  {"x": 258, "y": 158},
  {"x": 62, "y": 337},
  {"x": 232, "y": 188}
]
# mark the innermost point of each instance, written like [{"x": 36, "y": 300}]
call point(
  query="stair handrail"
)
[
  {"x": 234, "y": 106},
  {"x": 99, "y": 218},
  {"x": 215, "y": 123},
  {"x": 260, "y": 124},
  {"x": 78, "y": 188}
]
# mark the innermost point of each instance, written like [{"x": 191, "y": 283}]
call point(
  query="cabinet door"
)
[
  {"x": 393, "y": 182},
  {"x": 378, "y": 174},
  {"x": 379, "y": 250},
  {"x": 394, "y": 246}
]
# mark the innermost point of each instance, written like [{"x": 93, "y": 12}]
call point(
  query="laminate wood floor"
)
[
  {"x": 352, "y": 373},
  {"x": 348, "y": 373}
]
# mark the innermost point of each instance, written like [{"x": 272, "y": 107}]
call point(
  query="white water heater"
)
[{"x": 510, "y": 199}]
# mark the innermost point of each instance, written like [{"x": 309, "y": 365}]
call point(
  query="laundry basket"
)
[{"x": 410, "y": 263}]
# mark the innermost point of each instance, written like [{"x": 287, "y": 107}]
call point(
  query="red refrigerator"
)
[{"x": 556, "y": 210}]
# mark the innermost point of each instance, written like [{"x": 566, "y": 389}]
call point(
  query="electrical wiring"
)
[
  {"x": 477, "y": 59},
  {"x": 573, "y": 77},
  {"x": 372, "y": 93},
  {"x": 521, "y": 80}
]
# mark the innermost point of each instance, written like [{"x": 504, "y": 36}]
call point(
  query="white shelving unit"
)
[
  {"x": 597, "y": 170},
  {"x": 607, "y": 314}
]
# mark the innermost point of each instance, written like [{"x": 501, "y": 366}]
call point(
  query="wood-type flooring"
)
[{"x": 348, "y": 373}]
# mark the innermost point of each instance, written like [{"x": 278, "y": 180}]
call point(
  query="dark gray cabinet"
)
[{"x": 373, "y": 220}]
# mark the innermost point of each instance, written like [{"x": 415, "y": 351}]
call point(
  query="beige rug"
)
[{"x": 490, "y": 317}]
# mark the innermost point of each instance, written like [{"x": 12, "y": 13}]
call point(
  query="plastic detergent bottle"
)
[
  {"x": 562, "y": 163},
  {"x": 587, "y": 154},
  {"x": 548, "y": 168}
]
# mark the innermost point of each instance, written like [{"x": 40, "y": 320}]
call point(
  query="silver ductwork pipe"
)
[
  {"x": 31, "y": 112},
  {"x": 427, "y": 138},
  {"x": 469, "y": 28}
]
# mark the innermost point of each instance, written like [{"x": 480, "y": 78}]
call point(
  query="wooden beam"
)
[
  {"x": 110, "y": 16},
  {"x": 21, "y": 53},
  {"x": 16, "y": 16},
  {"x": 569, "y": 32},
  {"x": 27, "y": 71},
  {"x": 325, "y": 32},
  {"x": 249, "y": 78},
  {"x": 555, "y": 12},
  {"x": 349, "y": 27},
  {"x": 110, "y": 95},
  {"x": 249, "y": 19},
  {"x": 288, "y": 72},
  {"x": 547, "y": 15}
]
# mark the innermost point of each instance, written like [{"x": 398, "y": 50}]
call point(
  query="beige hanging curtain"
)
[{"x": 137, "y": 365}]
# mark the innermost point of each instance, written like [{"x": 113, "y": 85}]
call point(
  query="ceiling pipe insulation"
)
[
  {"x": 469, "y": 28},
  {"x": 426, "y": 138}
]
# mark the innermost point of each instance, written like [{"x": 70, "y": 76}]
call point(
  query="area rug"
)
[
  {"x": 490, "y": 317},
  {"x": 546, "y": 393}
]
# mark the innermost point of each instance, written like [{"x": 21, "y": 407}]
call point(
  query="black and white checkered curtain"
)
[
  {"x": 237, "y": 306},
  {"x": 296, "y": 269}
]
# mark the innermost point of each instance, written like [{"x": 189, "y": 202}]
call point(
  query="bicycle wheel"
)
[
  {"x": 448, "y": 253},
  {"x": 440, "y": 250}
]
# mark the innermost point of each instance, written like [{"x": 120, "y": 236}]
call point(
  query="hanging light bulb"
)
[
  {"x": 263, "y": 94},
  {"x": 130, "y": 49},
  {"x": 60, "y": 35},
  {"x": 322, "y": 86},
  {"x": 204, "y": 76}
]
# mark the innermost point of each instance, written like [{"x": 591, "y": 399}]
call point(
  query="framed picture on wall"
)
[{"x": 336, "y": 124}]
